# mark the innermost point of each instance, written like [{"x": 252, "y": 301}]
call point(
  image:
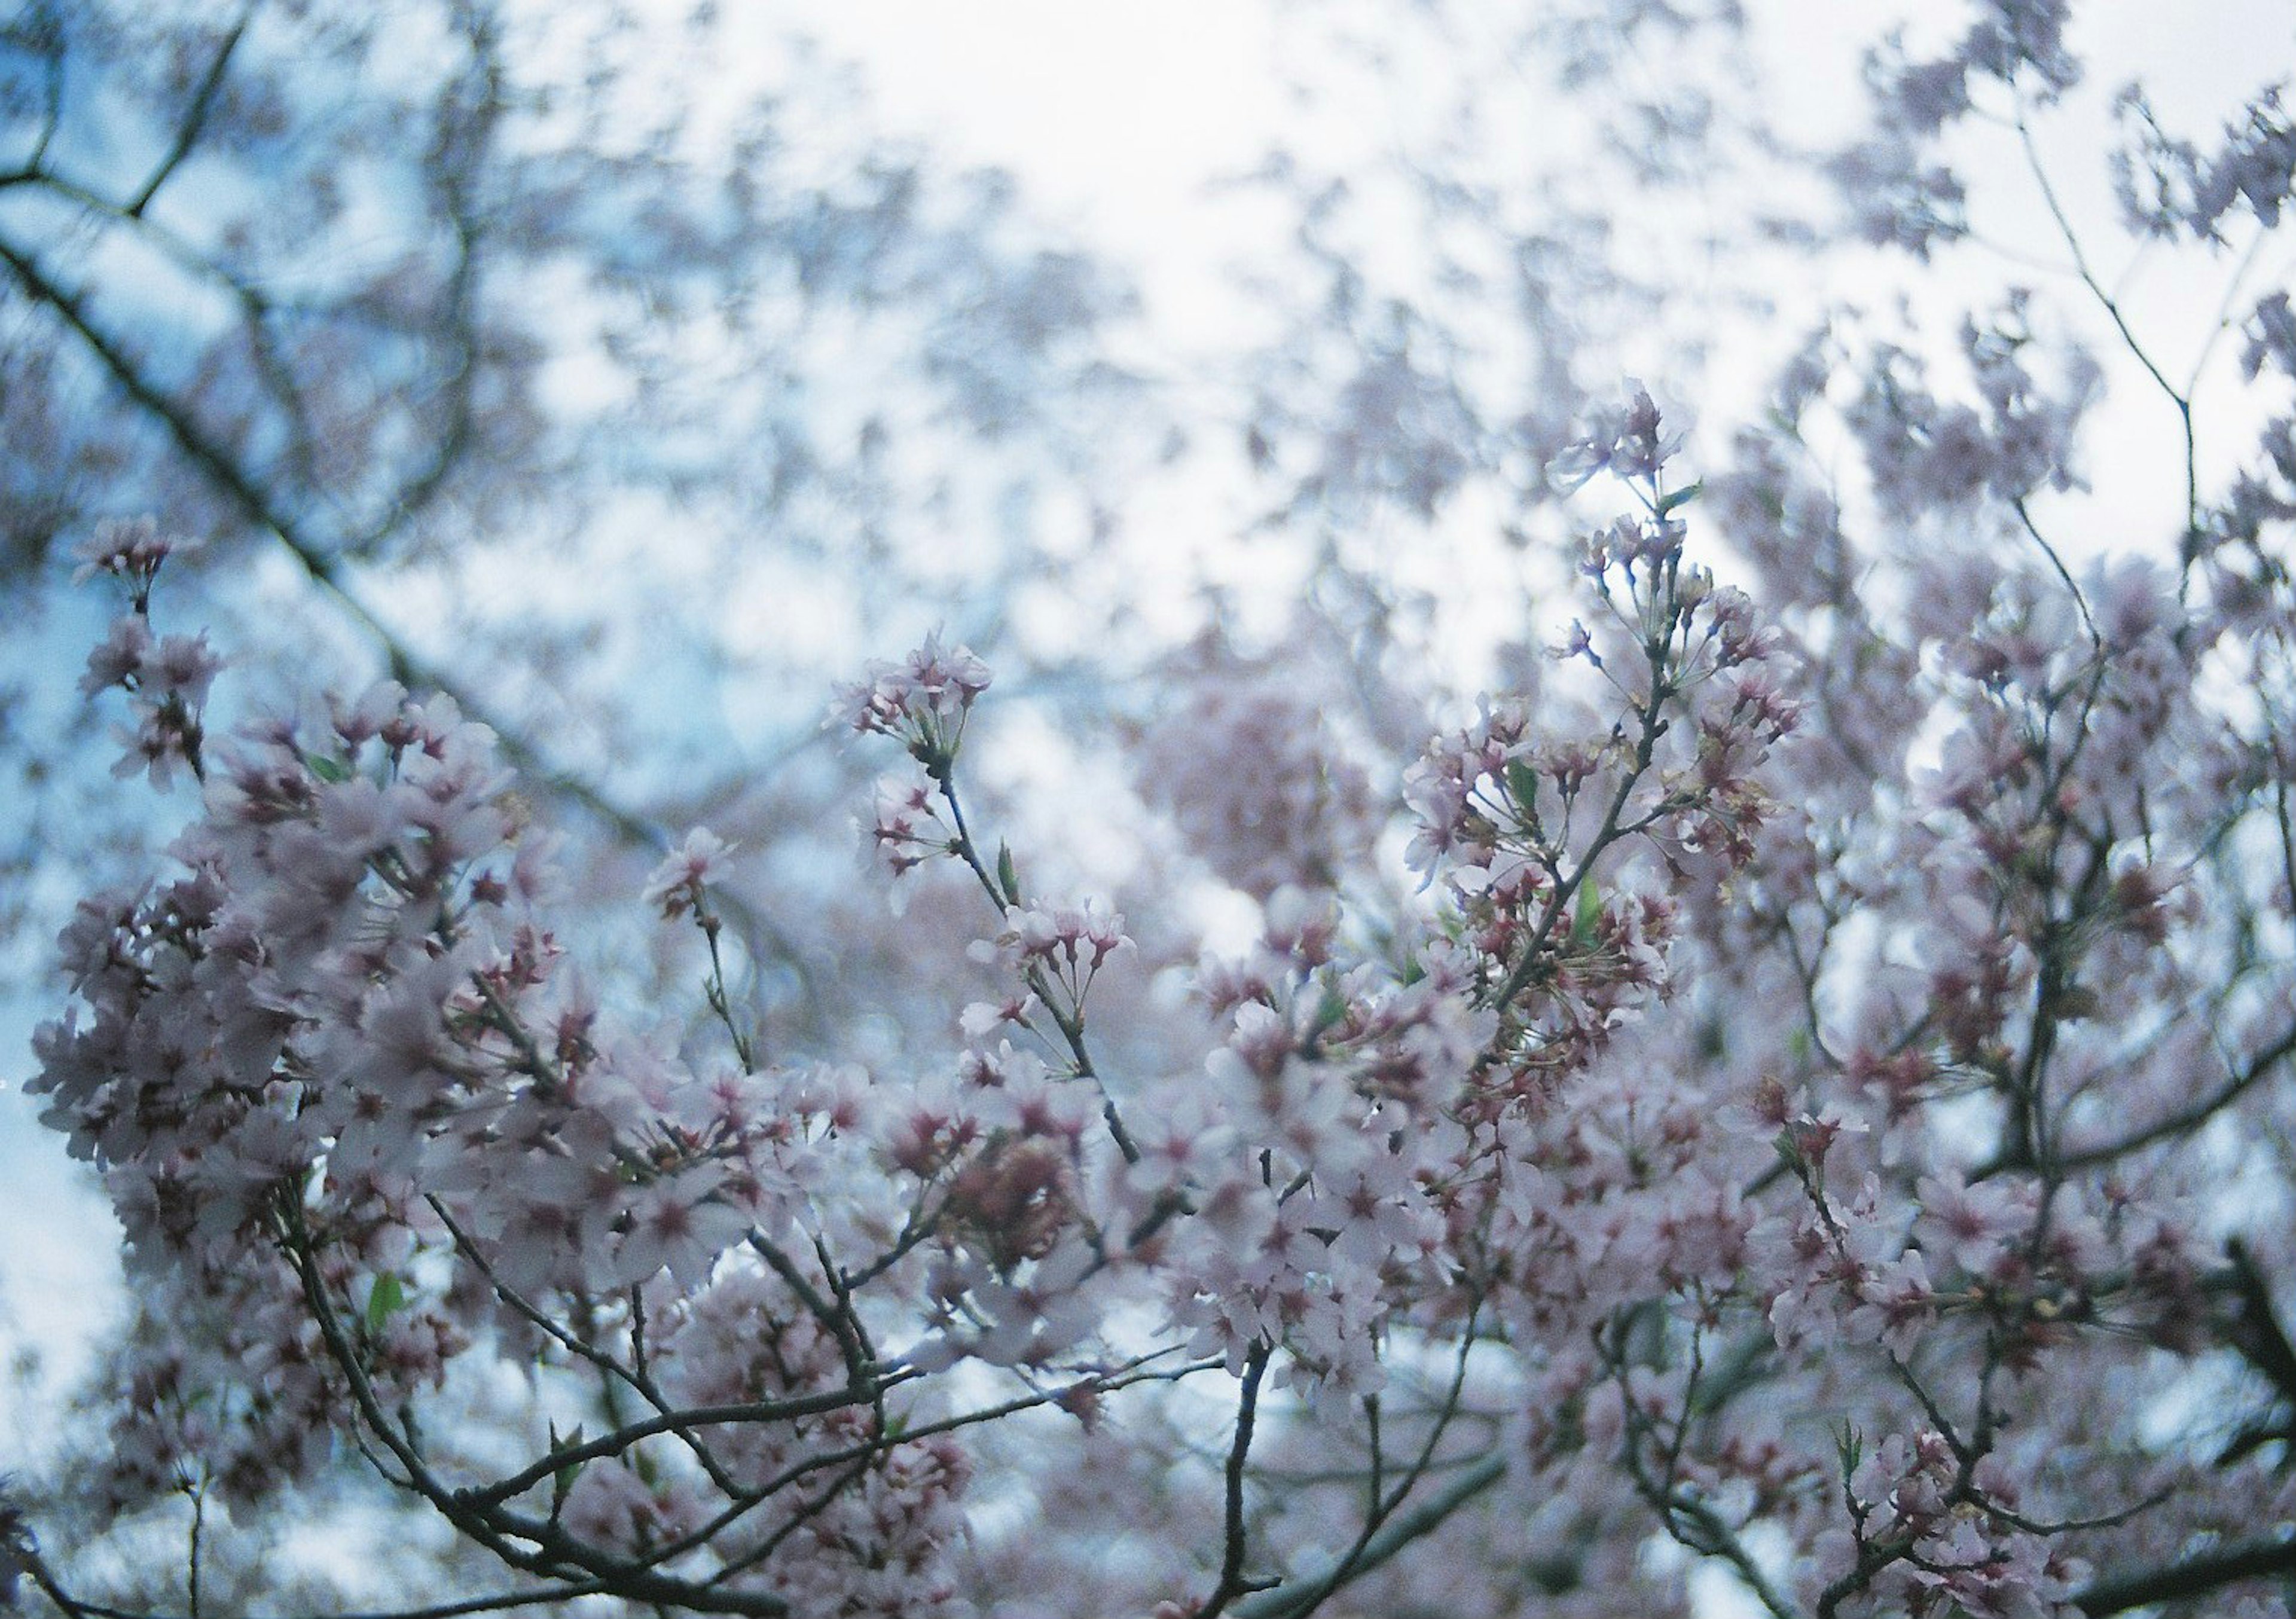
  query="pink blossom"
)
[{"x": 677, "y": 884}]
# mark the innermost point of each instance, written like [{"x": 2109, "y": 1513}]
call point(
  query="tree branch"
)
[
  {"x": 2195, "y": 1576},
  {"x": 195, "y": 120}
]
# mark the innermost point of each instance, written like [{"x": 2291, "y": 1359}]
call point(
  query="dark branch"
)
[
  {"x": 195, "y": 120},
  {"x": 2195, "y": 1576}
]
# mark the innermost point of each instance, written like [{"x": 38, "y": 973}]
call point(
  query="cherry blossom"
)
[{"x": 1793, "y": 1085}]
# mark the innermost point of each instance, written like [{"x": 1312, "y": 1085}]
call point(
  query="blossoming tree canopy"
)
[{"x": 1787, "y": 1104}]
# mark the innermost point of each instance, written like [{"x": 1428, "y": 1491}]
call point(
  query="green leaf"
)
[
  {"x": 1522, "y": 785},
  {"x": 1007, "y": 877},
  {"x": 332, "y": 770},
  {"x": 561, "y": 1481},
  {"x": 1588, "y": 917},
  {"x": 386, "y": 1296},
  {"x": 1682, "y": 496}
]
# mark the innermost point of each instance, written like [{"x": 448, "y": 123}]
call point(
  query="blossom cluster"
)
[
  {"x": 923, "y": 701},
  {"x": 167, "y": 677},
  {"x": 353, "y": 1108},
  {"x": 1737, "y": 1134},
  {"x": 1302, "y": 815}
]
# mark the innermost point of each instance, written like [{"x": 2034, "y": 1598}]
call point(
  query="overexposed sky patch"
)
[{"x": 1118, "y": 119}]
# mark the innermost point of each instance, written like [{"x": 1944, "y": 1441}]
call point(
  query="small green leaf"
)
[
  {"x": 1798, "y": 1045},
  {"x": 561, "y": 1481},
  {"x": 1522, "y": 785},
  {"x": 386, "y": 1296},
  {"x": 1668, "y": 503},
  {"x": 1007, "y": 877},
  {"x": 332, "y": 770},
  {"x": 1588, "y": 917}
]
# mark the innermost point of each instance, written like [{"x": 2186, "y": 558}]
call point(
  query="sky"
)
[{"x": 1114, "y": 117}]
